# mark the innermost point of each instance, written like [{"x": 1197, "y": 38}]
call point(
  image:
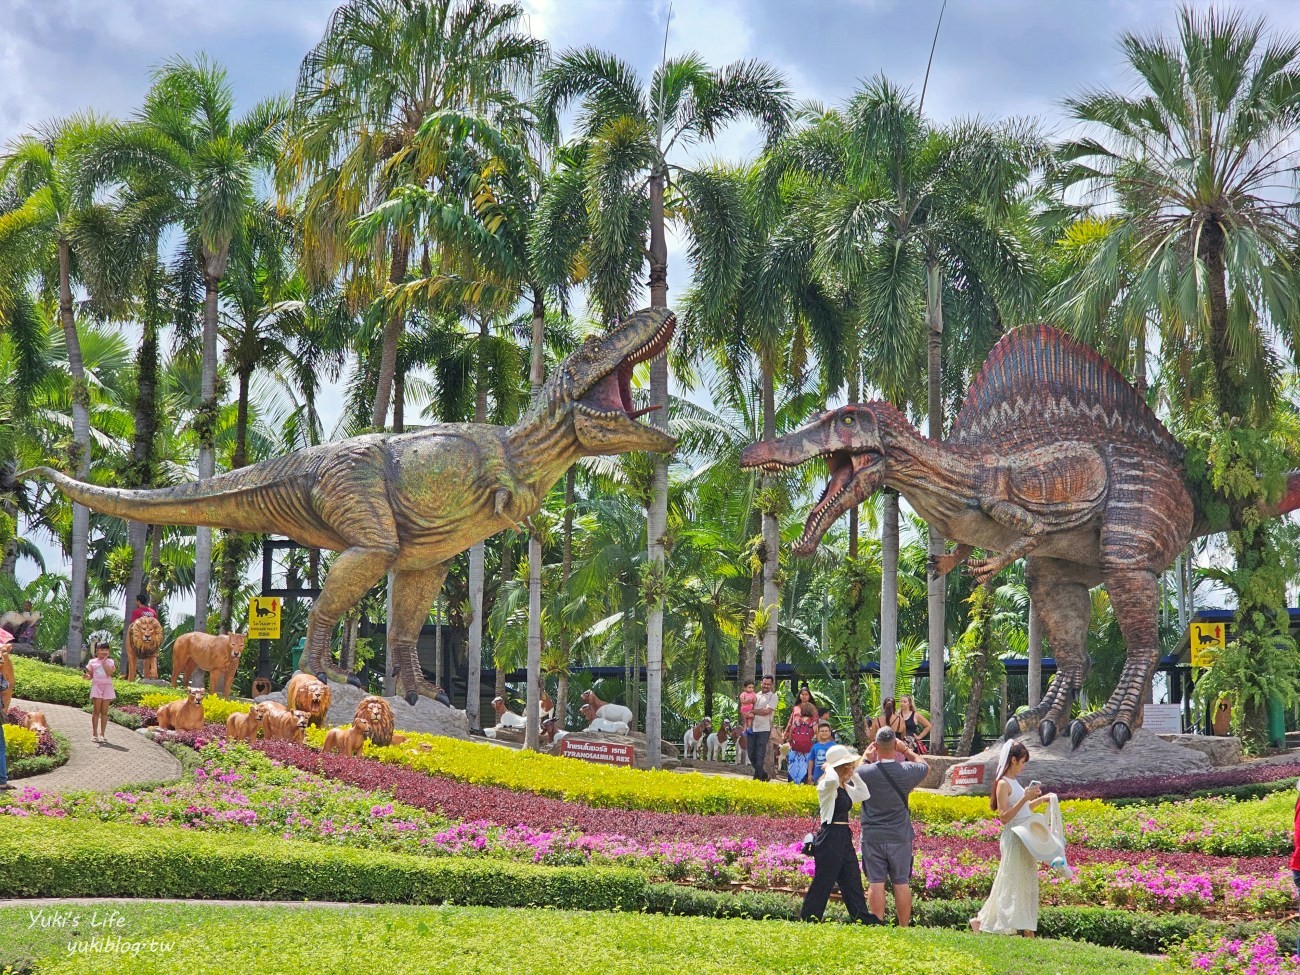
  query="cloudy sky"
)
[{"x": 994, "y": 58}]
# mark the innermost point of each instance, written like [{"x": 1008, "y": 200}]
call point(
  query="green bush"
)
[
  {"x": 51, "y": 684},
  {"x": 25, "y": 768}
]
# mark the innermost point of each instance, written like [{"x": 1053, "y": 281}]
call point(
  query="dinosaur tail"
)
[
  {"x": 1290, "y": 499},
  {"x": 250, "y": 499}
]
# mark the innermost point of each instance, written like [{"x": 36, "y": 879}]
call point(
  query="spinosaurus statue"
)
[
  {"x": 1054, "y": 457},
  {"x": 407, "y": 503}
]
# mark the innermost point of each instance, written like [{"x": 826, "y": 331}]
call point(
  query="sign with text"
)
[
  {"x": 605, "y": 752},
  {"x": 967, "y": 775},
  {"x": 1205, "y": 640},
  {"x": 264, "y": 618},
  {"x": 1163, "y": 719}
]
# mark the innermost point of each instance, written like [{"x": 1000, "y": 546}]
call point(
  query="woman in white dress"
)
[{"x": 1012, "y": 906}]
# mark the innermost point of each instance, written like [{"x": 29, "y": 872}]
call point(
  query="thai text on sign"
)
[
  {"x": 264, "y": 618},
  {"x": 967, "y": 775},
  {"x": 1205, "y": 640},
  {"x": 606, "y": 752}
]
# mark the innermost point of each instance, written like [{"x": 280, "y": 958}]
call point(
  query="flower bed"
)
[
  {"x": 1172, "y": 787},
  {"x": 49, "y": 749}
]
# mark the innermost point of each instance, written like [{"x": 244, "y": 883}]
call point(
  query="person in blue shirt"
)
[{"x": 825, "y": 740}]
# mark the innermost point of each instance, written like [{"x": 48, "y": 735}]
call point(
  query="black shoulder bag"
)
[{"x": 884, "y": 771}]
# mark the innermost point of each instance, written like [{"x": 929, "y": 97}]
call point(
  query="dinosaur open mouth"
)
[
  {"x": 843, "y": 490},
  {"x": 613, "y": 394}
]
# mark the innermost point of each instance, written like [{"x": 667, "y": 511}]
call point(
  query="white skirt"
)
[{"x": 1012, "y": 906}]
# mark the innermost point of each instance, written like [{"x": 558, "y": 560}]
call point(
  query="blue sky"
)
[{"x": 994, "y": 58}]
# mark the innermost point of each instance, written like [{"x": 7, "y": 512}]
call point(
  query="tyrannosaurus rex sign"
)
[
  {"x": 407, "y": 503},
  {"x": 1055, "y": 458}
]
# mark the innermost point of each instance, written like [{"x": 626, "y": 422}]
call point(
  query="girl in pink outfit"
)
[{"x": 100, "y": 670}]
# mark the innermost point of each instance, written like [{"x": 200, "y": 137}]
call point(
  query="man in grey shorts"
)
[{"x": 894, "y": 771}]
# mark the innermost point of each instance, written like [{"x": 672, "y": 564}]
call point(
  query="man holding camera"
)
[{"x": 894, "y": 770}]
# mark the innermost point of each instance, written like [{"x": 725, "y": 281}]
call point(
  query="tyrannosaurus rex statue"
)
[
  {"x": 407, "y": 503},
  {"x": 1055, "y": 458}
]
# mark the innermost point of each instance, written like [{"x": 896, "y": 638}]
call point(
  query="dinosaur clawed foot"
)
[
  {"x": 1078, "y": 732},
  {"x": 1120, "y": 733},
  {"x": 411, "y": 698},
  {"x": 1012, "y": 729},
  {"x": 1047, "y": 732}
]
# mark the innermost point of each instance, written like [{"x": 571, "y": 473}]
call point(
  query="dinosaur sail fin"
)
[{"x": 1039, "y": 385}]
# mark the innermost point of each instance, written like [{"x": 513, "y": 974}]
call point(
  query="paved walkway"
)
[{"x": 128, "y": 759}]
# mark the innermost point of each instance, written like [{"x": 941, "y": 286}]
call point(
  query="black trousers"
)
[
  {"x": 837, "y": 863},
  {"x": 758, "y": 753}
]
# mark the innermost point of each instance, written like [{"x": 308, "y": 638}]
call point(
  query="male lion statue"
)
[
  {"x": 305, "y": 693},
  {"x": 218, "y": 655},
  {"x": 377, "y": 713}
]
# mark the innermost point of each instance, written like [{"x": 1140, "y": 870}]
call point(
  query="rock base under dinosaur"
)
[
  {"x": 1096, "y": 760},
  {"x": 427, "y": 715}
]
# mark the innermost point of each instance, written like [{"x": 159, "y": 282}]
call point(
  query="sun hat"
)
[
  {"x": 1036, "y": 833},
  {"x": 838, "y": 755}
]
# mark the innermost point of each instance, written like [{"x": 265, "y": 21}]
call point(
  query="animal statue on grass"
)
[
  {"x": 693, "y": 742},
  {"x": 347, "y": 741},
  {"x": 716, "y": 743},
  {"x": 34, "y": 721},
  {"x": 218, "y": 655},
  {"x": 603, "y": 709},
  {"x": 507, "y": 720},
  {"x": 305, "y": 693},
  {"x": 185, "y": 714},
  {"x": 21, "y": 624},
  {"x": 144, "y": 638},
  {"x": 283, "y": 724},
  {"x": 377, "y": 715},
  {"x": 1054, "y": 458},
  {"x": 244, "y": 725},
  {"x": 408, "y": 503},
  {"x": 604, "y": 726}
]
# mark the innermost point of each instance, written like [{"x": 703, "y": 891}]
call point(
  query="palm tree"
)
[
  {"x": 632, "y": 190},
  {"x": 1194, "y": 157},
  {"x": 365, "y": 89},
  {"x": 41, "y": 170},
  {"x": 186, "y": 152},
  {"x": 911, "y": 209}
]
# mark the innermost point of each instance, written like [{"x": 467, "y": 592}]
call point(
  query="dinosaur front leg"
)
[
  {"x": 1031, "y": 529},
  {"x": 351, "y": 576},
  {"x": 1135, "y": 597},
  {"x": 1065, "y": 607},
  {"x": 944, "y": 564},
  {"x": 413, "y": 594}
]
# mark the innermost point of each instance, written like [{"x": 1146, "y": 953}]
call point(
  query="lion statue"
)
[
  {"x": 144, "y": 640},
  {"x": 305, "y": 693},
  {"x": 218, "y": 655},
  {"x": 378, "y": 714}
]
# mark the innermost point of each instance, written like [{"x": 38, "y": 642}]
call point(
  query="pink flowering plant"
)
[{"x": 1258, "y": 955}]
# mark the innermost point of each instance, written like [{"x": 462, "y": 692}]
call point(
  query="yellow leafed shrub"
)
[
  {"x": 19, "y": 742},
  {"x": 215, "y": 709}
]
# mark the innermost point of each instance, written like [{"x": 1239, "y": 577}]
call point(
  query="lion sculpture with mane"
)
[{"x": 378, "y": 714}]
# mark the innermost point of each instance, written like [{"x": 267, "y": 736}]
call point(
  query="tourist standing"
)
[
  {"x": 887, "y": 834},
  {"x": 887, "y": 718},
  {"x": 821, "y": 746},
  {"x": 801, "y": 734},
  {"x": 911, "y": 726},
  {"x": 1295, "y": 853},
  {"x": 837, "y": 790},
  {"x": 100, "y": 671},
  {"x": 1012, "y": 905},
  {"x": 761, "y": 728}
]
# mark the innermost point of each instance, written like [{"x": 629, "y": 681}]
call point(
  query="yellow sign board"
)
[
  {"x": 1206, "y": 639},
  {"x": 264, "y": 618}
]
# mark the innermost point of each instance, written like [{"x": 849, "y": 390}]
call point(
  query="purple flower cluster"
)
[
  {"x": 1177, "y": 785},
  {"x": 1259, "y": 955}
]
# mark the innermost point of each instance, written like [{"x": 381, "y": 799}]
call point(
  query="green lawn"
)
[{"x": 204, "y": 939}]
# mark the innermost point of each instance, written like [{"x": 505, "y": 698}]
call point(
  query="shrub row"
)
[
  {"x": 39, "y": 764},
  {"x": 50, "y": 684},
  {"x": 69, "y": 858}
]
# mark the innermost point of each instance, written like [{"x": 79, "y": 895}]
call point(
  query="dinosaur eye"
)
[{"x": 848, "y": 421}]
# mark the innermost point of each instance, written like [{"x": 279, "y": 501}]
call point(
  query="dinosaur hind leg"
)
[
  {"x": 351, "y": 576},
  {"x": 413, "y": 594},
  {"x": 1134, "y": 595},
  {"x": 1060, "y": 594}
]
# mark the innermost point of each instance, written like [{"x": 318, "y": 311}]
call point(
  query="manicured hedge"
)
[{"x": 51, "y": 684}]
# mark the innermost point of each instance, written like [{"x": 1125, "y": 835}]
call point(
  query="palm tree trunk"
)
[
  {"x": 392, "y": 333},
  {"x": 474, "y": 649},
  {"x": 745, "y": 665},
  {"x": 1035, "y": 655},
  {"x": 935, "y": 601},
  {"x": 771, "y": 535},
  {"x": 982, "y": 613},
  {"x": 566, "y": 570},
  {"x": 80, "y": 456},
  {"x": 889, "y": 594},
  {"x": 207, "y": 448},
  {"x": 532, "y": 697},
  {"x": 142, "y": 447},
  {"x": 657, "y": 522},
  {"x": 399, "y": 400},
  {"x": 234, "y": 547}
]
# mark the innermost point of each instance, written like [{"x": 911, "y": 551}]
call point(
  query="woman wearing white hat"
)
[
  {"x": 835, "y": 858},
  {"x": 1012, "y": 907}
]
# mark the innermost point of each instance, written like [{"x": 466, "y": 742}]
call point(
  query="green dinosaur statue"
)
[{"x": 407, "y": 503}]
